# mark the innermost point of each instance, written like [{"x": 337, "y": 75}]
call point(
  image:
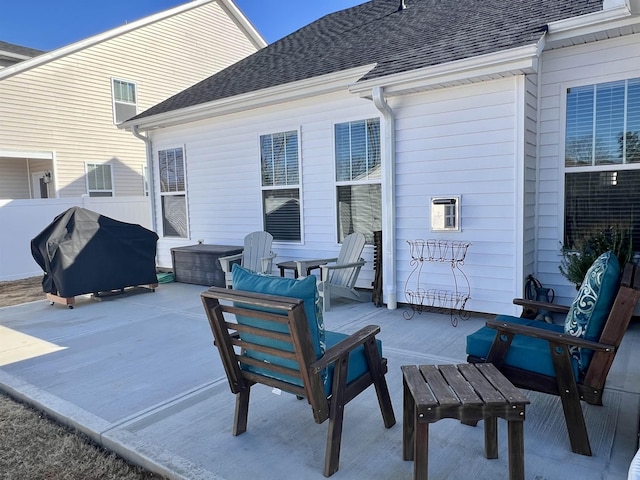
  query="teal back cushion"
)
[
  {"x": 303, "y": 289},
  {"x": 589, "y": 311}
]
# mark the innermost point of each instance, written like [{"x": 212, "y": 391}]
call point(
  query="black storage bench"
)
[{"x": 198, "y": 264}]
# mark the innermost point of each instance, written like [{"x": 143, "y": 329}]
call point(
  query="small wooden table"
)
[
  {"x": 468, "y": 392},
  {"x": 293, "y": 265}
]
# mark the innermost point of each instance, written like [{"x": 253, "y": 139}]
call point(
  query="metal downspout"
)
[
  {"x": 389, "y": 289},
  {"x": 152, "y": 196}
]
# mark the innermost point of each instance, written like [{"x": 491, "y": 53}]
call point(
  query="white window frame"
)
[
  {"x": 298, "y": 186},
  {"x": 342, "y": 183},
  {"x": 145, "y": 180},
  {"x": 116, "y": 102},
  {"x": 111, "y": 191},
  {"x": 183, "y": 193},
  {"x": 563, "y": 169}
]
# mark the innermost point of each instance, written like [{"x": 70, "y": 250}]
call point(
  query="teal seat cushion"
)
[
  {"x": 527, "y": 353},
  {"x": 303, "y": 289},
  {"x": 590, "y": 309},
  {"x": 357, "y": 359}
]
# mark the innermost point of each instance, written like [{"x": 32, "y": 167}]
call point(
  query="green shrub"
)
[{"x": 576, "y": 261}]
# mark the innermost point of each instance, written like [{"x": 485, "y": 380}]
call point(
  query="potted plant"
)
[{"x": 577, "y": 260}]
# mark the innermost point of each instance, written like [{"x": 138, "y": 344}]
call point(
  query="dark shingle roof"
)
[
  {"x": 426, "y": 33},
  {"x": 17, "y": 49}
]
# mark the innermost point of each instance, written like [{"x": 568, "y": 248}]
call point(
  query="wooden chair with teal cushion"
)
[
  {"x": 269, "y": 330},
  {"x": 570, "y": 360}
]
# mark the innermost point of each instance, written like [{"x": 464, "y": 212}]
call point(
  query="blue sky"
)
[{"x": 50, "y": 24}]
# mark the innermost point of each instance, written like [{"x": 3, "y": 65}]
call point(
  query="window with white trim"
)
[
  {"x": 125, "y": 103},
  {"x": 602, "y": 159},
  {"x": 358, "y": 178},
  {"x": 173, "y": 195},
  {"x": 99, "y": 180},
  {"x": 280, "y": 177}
]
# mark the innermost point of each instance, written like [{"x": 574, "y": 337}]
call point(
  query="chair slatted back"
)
[
  {"x": 350, "y": 252},
  {"x": 257, "y": 245},
  {"x": 615, "y": 327},
  {"x": 280, "y": 331}
]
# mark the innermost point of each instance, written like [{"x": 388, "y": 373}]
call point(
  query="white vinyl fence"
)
[{"x": 22, "y": 220}]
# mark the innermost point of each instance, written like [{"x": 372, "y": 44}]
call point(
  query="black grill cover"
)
[{"x": 84, "y": 252}]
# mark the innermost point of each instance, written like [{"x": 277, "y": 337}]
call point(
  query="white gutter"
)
[
  {"x": 149, "y": 155},
  {"x": 389, "y": 289},
  {"x": 490, "y": 66},
  {"x": 616, "y": 14}
]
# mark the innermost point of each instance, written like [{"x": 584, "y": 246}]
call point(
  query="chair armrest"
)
[
  {"x": 267, "y": 262},
  {"x": 345, "y": 346},
  {"x": 532, "y": 304},
  {"x": 225, "y": 262},
  {"x": 548, "y": 335},
  {"x": 359, "y": 263}
]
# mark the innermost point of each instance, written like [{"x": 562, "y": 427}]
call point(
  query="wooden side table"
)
[
  {"x": 468, "y": 392},
  {"x": 295, "y": 266}
]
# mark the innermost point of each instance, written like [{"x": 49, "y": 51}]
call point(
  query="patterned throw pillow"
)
[{"x": 590, "y": 308}]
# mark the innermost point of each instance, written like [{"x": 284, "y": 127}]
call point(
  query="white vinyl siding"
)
[
  {"x": 77, "y": 122},
  {"x": 462, "y": 142},
  {"x": 457, "y": 141}
]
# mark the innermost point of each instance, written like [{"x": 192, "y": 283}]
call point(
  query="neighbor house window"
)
[
  {"x": 280, "y": 172},
  {"x": 358, "y": 178},
  {"x": 125, "y": 103},
  {"x": 99, "y": 180},
  {"x": 173, "y": 192},
  {"x": 602, "y": 159}
]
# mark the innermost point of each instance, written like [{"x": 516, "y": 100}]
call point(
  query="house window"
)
[
  {"x": 99, "y": 180},
  {"x": 124, "y": 100},
  {"x": 358, "y": 178},
  {"x": 602, "y": 160},
  {"x": 280, "y": 172},
  {"x": 173, "y": 192}
]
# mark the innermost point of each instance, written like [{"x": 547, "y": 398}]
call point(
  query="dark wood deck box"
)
[{"x": 198, "y": 264}]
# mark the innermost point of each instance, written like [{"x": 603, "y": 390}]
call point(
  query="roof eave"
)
[
  {"x": 516, "y": 61},
  {"x": 609, "y": 23},
  {"x": 323, "y": 84}
]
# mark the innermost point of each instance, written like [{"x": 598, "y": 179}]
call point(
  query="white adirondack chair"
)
[
  {"x": 338, "y": 277},
  {"x": 256, "y": 256}
]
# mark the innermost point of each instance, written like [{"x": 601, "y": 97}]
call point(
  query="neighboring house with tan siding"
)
[{"x": 59, "y": 110}]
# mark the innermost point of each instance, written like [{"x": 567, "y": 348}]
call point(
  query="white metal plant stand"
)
[{"x": 451, "y": 252}]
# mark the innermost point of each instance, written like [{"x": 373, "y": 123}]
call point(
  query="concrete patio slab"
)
[{"x": 139, "y": 374}]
